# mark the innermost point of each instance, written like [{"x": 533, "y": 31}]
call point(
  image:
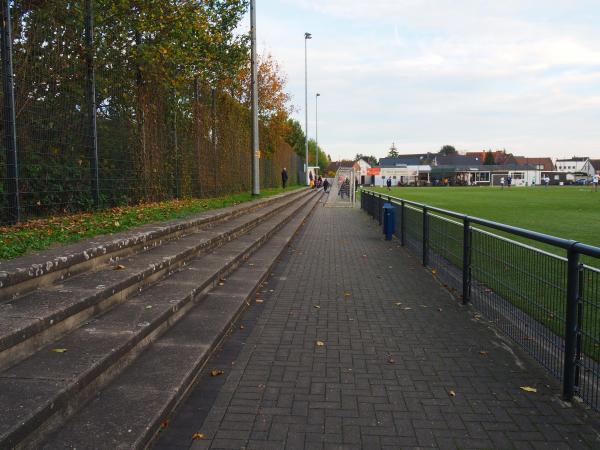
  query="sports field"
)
[{"x": 570, "y": 212}]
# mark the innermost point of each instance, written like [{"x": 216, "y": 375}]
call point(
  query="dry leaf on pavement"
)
[
  {"x": 452, "y": 393},
  {"x": 119, "y": 267},
  {"x": 528, "y": 389},
  {"x": 197, "y": 436},
  {"x": 216, "y": 372},
  {"x": 59, "y": 350},
  {"x": 320, "y": 344}
]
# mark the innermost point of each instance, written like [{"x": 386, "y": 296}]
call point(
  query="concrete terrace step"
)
[
  {"x": 32, "y": 320},
  {"x": 29, "y": 272},
  {"x": 41, "y": 391},
  {"x": 128, "y": 413}
]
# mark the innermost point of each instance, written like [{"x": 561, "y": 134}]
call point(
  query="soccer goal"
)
[{"x": 342, "y": 193}]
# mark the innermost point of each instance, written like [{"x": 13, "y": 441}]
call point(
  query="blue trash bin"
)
[{"x": 389, "y": 221}]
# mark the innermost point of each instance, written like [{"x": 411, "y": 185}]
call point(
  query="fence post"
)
[
  {"x": 466, "y": 269},
  {"x": 402, "y": 224},
  {"x": 379, "y": 209},
  {"x": 213, "y": 111},
  {"x": 425, "y": 236},
  {"x": 91, "y": 101},
  {"x": 571, "y": 326},
  {"x": 579, "y": 322},
  {"x": 10, "y": 125}
]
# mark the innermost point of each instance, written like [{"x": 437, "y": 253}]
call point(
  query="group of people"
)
[
  {"x": 315, "y": 183},
  {"x": 507, "y": 181}
]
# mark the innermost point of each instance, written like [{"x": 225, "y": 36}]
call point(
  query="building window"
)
[{"x": 518, "y": 175}]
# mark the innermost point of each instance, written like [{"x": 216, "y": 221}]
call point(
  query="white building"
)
[
  {"x": 575, "y": 165},
  {"x": 363, "y": 166},
  {"x": 400, "y": 175}
]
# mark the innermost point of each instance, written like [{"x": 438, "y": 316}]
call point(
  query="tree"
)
[
  {"x": 489, "y": 158},
  {"x": 393, "y": 153},
  {"x": 273, "y": 100},
  {"x": 447, "y": 150},
  {"x": 372, "y": 160}
]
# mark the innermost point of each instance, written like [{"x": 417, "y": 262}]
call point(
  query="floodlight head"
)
[
  {"x": 307, "y": 36},
  {"x": 318, "y": 95}
]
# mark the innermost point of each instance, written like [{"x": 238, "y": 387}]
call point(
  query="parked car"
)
[{"x": 581, "y": 181}]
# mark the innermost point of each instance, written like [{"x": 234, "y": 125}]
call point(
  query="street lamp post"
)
[
  {"x": 307, "y": 36},
  {"x": 317, "y": 95},
  {"x": 254, "y": 80}
]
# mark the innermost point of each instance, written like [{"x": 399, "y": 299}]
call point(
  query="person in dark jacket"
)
[
  {"x": 325, "y": 184},
  {"x": 284, "y": 177}
]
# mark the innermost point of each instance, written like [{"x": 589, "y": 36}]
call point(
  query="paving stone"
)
[{"x": 347, "y": 393}]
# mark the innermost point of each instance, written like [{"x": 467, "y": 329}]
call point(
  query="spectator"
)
[
  {"x": 502, "y": 182},
  {"x": 595, "y": 182},
  {"x": 284, "y": 177},
  {"x": 325, "y": 185},
  {"x": 389, "y": 183}
]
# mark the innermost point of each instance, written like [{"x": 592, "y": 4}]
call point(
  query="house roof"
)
[
  {"x": 408, "y": 160},
  {"x": 546, "y": 162},
  {"x": 595, "y": 163},
  {"x": 335, "y": 165},
  {"x": 457, "y": 160},
  {"x": 575, "y": 159}
]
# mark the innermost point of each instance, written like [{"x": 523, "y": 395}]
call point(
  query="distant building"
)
[
  {"x": 576, "y": 165},
  {"x": 596, "y": 165},
  {"x": 363, "y": 167},
  {"x": 404, "y": 170}
]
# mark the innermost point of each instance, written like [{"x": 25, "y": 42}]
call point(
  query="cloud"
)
[{"x": 426, "y": 72}]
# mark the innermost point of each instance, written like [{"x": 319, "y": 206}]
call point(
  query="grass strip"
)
[{"x": 40, "y": 234}]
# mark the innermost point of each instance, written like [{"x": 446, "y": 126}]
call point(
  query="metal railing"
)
[{"x": 547, "y": 303}]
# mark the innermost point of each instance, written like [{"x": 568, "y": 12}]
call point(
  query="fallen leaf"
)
[
  {"x": 407, "y": 308},
  {"x": 316, "y": 307},
  {"x": 452, "y": 393},
  {"x": 216, "y": 372},
  {"x": 483, "y": 353},
  {"x": 197, "y": 436},
  {"x": 391, "y": 360},
  {"x": 59, "y": 350},
  {"x": 398, "y": 303},
  {"x": 117, "y": 223},
  {"x": 242, "y": 327},
  {"x": 488, "y": 290},
  {"x": 347, "y": 294},
  {"x": 433, "y": 271},
  {"x": 164, "y": 425},
  {"x": 119, "y": 267},
  {"x": 148, "y": 306},
  {"x": 439, "y": 309},
  {"x": 320, "y": 344},
  {"x": 528, "y": 389},
  {"x": 259, "y": 300}
]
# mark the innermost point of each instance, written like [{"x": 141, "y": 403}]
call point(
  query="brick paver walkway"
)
[{"x": 403, "y": 365}]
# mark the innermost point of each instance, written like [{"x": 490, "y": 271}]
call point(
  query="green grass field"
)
[{"x": 569, "y": 212}]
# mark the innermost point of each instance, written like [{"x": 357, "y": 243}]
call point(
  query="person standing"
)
[
  {"x": 595, "y": 182},
  {"x": 508, "y": 181},
  {"x": 389, "y": 183},
  {"x": 325, "y": 185},
  {"x": 546, "y": 181},
  {"x": 284, "y": 177},
  {"x": 502, "y": 182}
]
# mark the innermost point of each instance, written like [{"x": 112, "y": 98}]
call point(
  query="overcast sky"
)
[{"x": 517, "y": 74}]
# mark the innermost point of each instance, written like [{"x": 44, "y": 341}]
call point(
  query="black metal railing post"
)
[
  {"x": 425, "y": 237},
  {"x": 90, "y": 90},
  {"x": 380, "y": 209},
  {"x": 571, "y": 326},
  {"x": 402, "y": 224},
  {"x": 578, "y": 353},
  {"x": 466, "y": 268},
  {"x": 10, "y": 124}
]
